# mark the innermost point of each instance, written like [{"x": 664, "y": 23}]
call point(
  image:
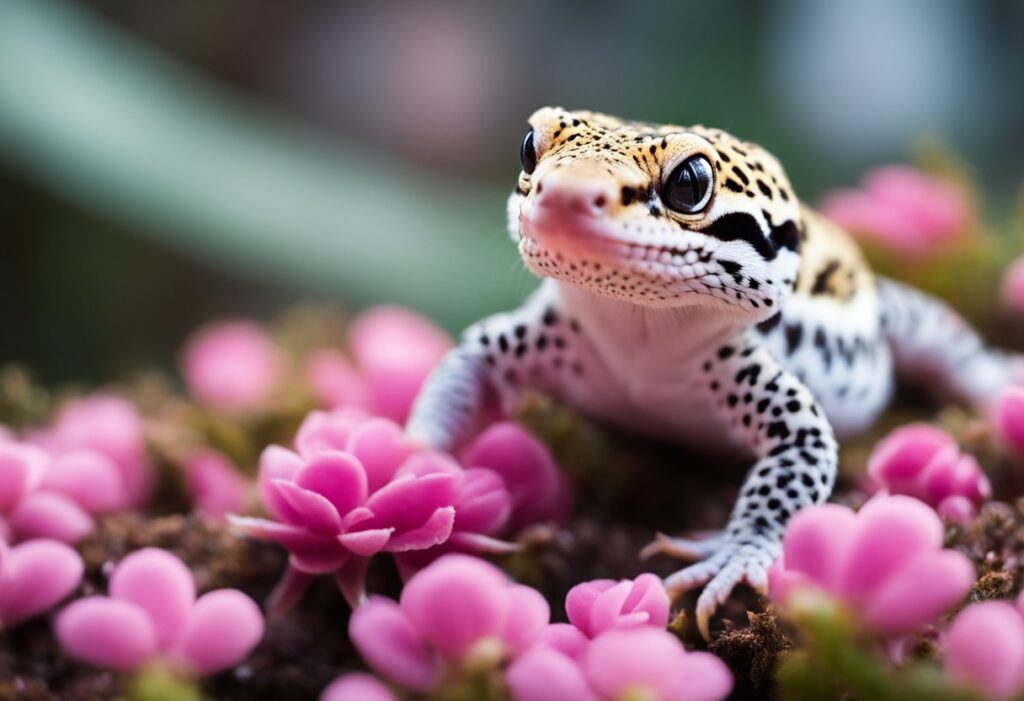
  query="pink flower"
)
[
  {"x": 602, "y": 604},
  {"x": 357, "y": 687},
  {"x": 458, "y": 611},
  {"x": 902, "y": 208},
  {"x": 232, "y": 365},
  {"x": 34, "y": 576},
  {"x": 1009, "y": 416},
  {"x": 622, "y": 663},
  {"x": 333, "y": 509},
  {"x": 540, "y": 491},
  {"x": 394, "y": 350},
  {"x": 925, "y": 462},
  {"x": 217, "y": 488},
  {"x": 111, "y": 426},
  {"x": 985, "y": 649},
  {"x": 153, "y": 612},
  {"x": 885, "y": 562},
  {"x": 1013, "y": 285}
]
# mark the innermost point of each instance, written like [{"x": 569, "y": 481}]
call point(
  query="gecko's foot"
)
[
  {"x": 703, "y": 545},
  {"x": 719, "y": 574}
]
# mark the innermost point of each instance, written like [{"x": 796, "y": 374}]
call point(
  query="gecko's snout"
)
[{"x": 556, "y": 194}]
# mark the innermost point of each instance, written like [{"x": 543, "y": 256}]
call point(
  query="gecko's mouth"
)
[{"x": 582, "y": 239}]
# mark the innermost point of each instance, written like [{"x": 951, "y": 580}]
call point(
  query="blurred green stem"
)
[{"x": 124, "y": 130}]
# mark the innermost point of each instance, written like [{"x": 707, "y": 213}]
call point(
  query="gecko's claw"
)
[
  {"x": 728, "y": 567},
  {"x": 701, "y": 547}
]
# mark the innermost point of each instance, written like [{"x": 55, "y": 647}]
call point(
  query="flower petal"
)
[
  {"x": 407, "y": 502},
  {"x": 643, "y": 658},
  {"x": 357, "y": 686},
  {"x": 366, "y": 543},
  {"x": 50, "y": 515},
  {"x": 923, "y": 588},
  {"x": 887, "y": 533},
  {"x": 36, "y": 575},
  {"x": 456, "y": 602},
  {"x": 433, "y": 532},
  {"x": 580, "y": 601},
  {"x": 544, "y": 674},
  {"x": 89, "y": 478},
  {"x": 337, "y": 476},
  {"x": 322, "y": 431},
  {"x": 316, "y": 512},
  {"x": 985, "y": 649},
  {"x": 106, "y": 633},
  {"x": 278, "y": 463},
  {"x": 221, "y": 631},
  {"x": 21, "y": 468},
  {"x": 484, "y": 504},
  {"x": 390, "y": 644},
  {"x": 314, "y": 554},
  {"x": 380, "y": 445},
  {"x": 817, "y": 540},
  {"x": 528, "y": 616},
  {"x": 158, "y": 583}
]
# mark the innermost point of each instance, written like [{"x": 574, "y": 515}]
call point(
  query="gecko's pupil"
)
[
  {"x": 527, "y": 154},
  {"x": 688, "y": 187}
]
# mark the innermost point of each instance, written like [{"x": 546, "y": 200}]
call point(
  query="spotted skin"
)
[{"x": 751, "y": 324}]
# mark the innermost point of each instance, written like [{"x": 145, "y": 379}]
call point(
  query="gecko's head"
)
[{"x": 661, "y": 216}]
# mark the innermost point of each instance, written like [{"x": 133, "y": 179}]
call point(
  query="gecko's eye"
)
[
  {"x": 688, "y": 187},
  {"x": 528, "y": 154}
]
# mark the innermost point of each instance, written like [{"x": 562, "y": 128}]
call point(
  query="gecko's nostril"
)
[
  {"x": 540, "y": 188},
  {"x": 600, "y": 201}
]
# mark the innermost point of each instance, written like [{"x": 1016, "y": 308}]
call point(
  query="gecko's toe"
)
[{"x": 690, "y": 549}]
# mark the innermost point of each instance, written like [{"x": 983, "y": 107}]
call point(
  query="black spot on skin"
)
[
  {"x": 485, "y": 340},
  {"x": 733, "y": 185},
  {"x": 820, "y": 286},
  {"x": 765, "y": 190},
  {"x": 725, "y": 156},
  {"x": 730, "y": 266},
  {"x": 725, "y": 352},
  {"x": 550, "y": 317},
  {"x": 503, "y": 343},
  {"x": 741, "y": 175},
  {"x": 762, "y": 405},
  {"x": 520, "y": 331},
  {"x": 769, "y": 324},
  {"x": 784, "y": 195},
  {"x": 628, "y": 195},
  {"x": 794, "y": 334},
  {"x": 732, "y": 399},
  {"x": 542, "y": 342},
  {"x": 793, "y": 406},
  {"x": 786, "y": 235},
  {"x": 778, "y": 429},
  {"x": 740, "y": 226}
]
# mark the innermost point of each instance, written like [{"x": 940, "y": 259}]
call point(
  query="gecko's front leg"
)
[{"x": 796, "y": 467}]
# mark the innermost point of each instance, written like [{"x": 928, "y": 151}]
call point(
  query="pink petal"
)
[
  {"x": 396, "y": 350},
  {"x": 644, "y": 658},
  {"x": 357, "y": 686},
  {"x": 232, "y": 365},
  {"x": 579, "y": 602},
  {"x": 316, "y": 512},
  {"x": 312, "y": 553},
  {"x": 985, "y": 649},
  {"x": 380, "y": 446},
  {"x": 216, "y": 486},
  {"x": 957, "y": 509},
  {"x": 648, "y": 595},
  {"x": 278, "y": 463},
  {"x": 544, "y": 674},
  {"x": 434, "y": 531},
  {"x": 706, "y": 677},
  {"x": 89, "y": 478},
  {"x": 529, "y": 471},
  {"x": 366, "y": 543},
  {"x": 567, "y": 639},
  {"x": 484, "y": 504},
  {"x": 34, "y": 576},
  {"x": 390, "y": 644},
  {"x": 339, "y": 477},
  {"x": 889, "y": 531},
  {"x": 408, "y": 502},
  {"x": 817, "y": 540},
  {"x": 21, "y": 469},
  {"x": 900, "y": 457},
  {"x": 107, "y": 633},
  {"x": 323, "y": 430},
  {"x": 158, "y": 583},
  {"x": 427, "y": 462},
  {"x": 477, "y": 543},
  {"x": 925, "y": 587},
  {"x": 528, "y": 616},
  {"x": 456, "y": 602},
  {"x": 351, "y": 579},
  {"x": 335, "y": 381},
  {"x": 1009, "y": 416},
  {"x": 50, "y": 515},
  {"x": 223, "y": 628}
]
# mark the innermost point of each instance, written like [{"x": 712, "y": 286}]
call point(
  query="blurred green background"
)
[{"x": 165, "y": 162}]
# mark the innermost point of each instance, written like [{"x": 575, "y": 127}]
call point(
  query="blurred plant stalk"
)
[{"x": 121, "y": 129}]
